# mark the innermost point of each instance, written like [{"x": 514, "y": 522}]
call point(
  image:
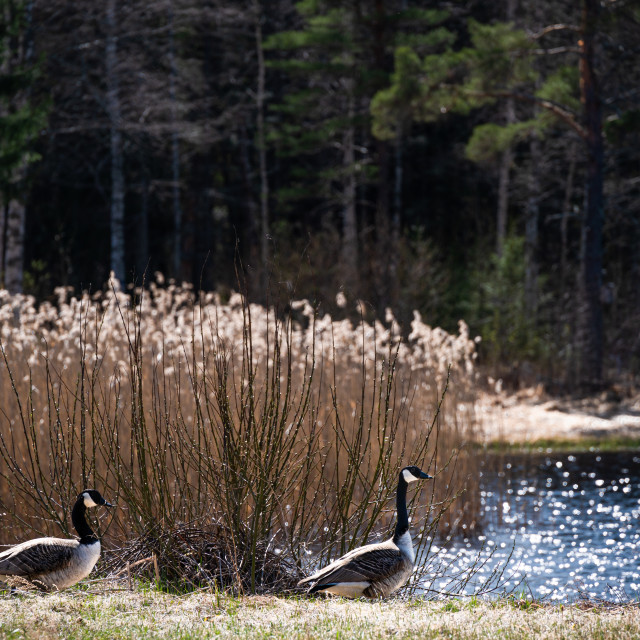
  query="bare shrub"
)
[{"x": 278, "y": 436}]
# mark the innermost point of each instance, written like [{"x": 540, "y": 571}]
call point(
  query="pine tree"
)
[{"x": 497, "y": 66}]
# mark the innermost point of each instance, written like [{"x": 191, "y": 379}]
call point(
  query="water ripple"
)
[{"x": 567, "y": 526}]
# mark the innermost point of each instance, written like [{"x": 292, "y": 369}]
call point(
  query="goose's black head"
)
[
  {"x": 413, "y": 473},
  {"x": 92, "y": 498}
]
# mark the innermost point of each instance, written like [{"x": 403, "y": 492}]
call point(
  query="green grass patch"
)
[
  {"x": 560, "y": 445},
  {"x": 108, "y": 611}
]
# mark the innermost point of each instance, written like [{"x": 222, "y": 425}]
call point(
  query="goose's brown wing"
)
[
  {"x": 36, "y": 556},
  {"x": 366, "y": 566}
]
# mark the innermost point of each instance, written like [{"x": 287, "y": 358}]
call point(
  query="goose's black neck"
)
[
  {"x": 80, "y": 522},
  {"x": 402, "y": 525}
]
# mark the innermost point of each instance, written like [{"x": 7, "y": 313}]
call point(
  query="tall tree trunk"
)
[
  {"x": 566, "y": 316},
  {"x": 349, "y": 256},
  {"x": 385, "y": 262},
  {"x": 262, "y": 150},
  {"x": 3, "y": 241},
  {"x": 14, "y": 214},
  {"x": 504, "y": 180},
  {"x": 564, "y": 220},
  {"x": 14, "y": 254},
  {"x": 506, "y": 158},
  {"x": 142, "y": 245},
  {"x": 590, "y": 321},
  {"x": 386, "y": 245},
  {"x": 531, "y": 232},
  {"x": 251, "y": 219},
  {"x": 12, "y": 228},
  {"x": 349, "y": 219},
  {"x": 115, "y": 134},
  {"x": 396, "y": 218},
  {"x": 398, "y": 179},
  {"x": 175, "y": 154}
]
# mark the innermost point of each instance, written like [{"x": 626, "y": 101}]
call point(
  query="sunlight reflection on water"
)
[{"x": 569, "y": 522}]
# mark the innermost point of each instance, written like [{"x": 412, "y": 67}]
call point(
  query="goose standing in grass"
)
[
  {"x": 58, "y": 562},
  {"x": 375, "y": 570}
]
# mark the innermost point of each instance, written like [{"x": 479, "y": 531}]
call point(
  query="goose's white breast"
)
[
  {"x": 405, "y": 544},
  {"x": 82, "y": 562}
]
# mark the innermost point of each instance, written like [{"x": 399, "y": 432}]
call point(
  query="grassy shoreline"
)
[
  {"x": 99, "y": 611},
  {"x": 585, "y": 444}
]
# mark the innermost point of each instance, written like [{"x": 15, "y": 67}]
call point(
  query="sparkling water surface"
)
[{"x": 556, "y": 527}]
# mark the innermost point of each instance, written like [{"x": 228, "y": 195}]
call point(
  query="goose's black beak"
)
[
  {"x": 107, "y": 504},
  {"x": 425, "y": 476}
]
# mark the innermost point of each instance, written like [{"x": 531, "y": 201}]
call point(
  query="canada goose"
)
[
  {"x": 58, "y": 562},
  {"x": 375, "y": 570}
]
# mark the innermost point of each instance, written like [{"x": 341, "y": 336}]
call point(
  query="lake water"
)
[{"x": 556, "y": 526}]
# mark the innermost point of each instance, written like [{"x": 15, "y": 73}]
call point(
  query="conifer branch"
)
[
  {"x": 554, "y": 27},
  {"x": 566, "y": 115}
]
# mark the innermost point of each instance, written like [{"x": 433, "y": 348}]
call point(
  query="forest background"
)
[{"x": 473, "y": 160}]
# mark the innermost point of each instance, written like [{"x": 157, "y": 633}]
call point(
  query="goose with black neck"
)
[
  {"x": 375, "y": 570},
  {"x": 58, "y": 563}
]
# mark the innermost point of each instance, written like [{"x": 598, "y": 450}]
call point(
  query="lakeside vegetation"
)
[
  {"x": 103, "y": 610},
  {"x": 241, "y": 444}
]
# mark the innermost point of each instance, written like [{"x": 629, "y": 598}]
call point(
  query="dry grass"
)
[
  {"x": 277, "y": 434},
  {"x": 100, "y": 613}
]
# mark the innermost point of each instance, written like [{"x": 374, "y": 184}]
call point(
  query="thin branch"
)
[
  {"x": 555, "y": 51},
  {"x": 566, "y": 115},
  {"x": 554, "y": 27}
]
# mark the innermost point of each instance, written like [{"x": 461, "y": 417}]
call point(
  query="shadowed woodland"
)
[{"x": 467, "y": 160}]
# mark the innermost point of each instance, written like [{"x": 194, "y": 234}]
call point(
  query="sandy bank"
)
[{"x": 529, "y": 415}]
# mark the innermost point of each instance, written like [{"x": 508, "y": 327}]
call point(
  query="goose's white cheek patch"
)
[
  {"x": 408, "y": 476},
  {"x": 88, "y": 501}
]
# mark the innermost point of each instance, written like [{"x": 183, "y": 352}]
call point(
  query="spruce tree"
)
[{"x": 338, "y": 59}]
